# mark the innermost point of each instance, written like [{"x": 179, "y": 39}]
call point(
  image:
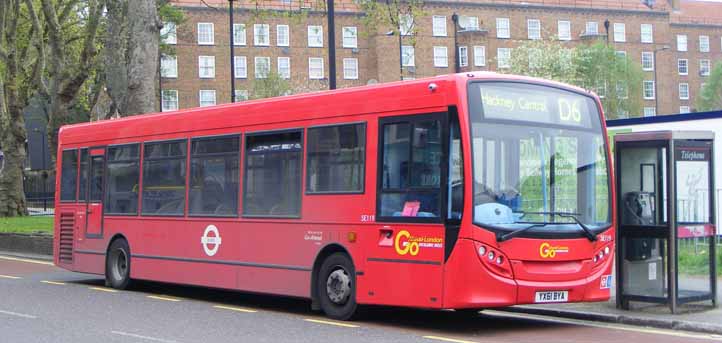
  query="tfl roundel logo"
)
[{"x": 211, "y": 240}]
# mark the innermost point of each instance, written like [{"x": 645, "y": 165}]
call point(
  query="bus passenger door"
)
[
  {"x": 94, "y": 193},
  {"x": 404, "y": 267}
]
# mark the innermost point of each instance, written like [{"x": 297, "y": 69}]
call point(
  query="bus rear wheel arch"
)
[
  {"x": 336, "y": 287},
  {"x": 117, "y": 264}
]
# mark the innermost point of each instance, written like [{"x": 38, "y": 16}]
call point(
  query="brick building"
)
[{"x": 682, "y": 40}]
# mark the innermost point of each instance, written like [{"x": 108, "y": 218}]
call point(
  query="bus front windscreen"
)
[{"x": 539, "y": 160}]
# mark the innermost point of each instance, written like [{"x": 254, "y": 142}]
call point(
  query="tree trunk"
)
[
  {"x": 116, "y": 65},
  {"x": 144, "y": 39},
  {"x": 12, "y": 143}
]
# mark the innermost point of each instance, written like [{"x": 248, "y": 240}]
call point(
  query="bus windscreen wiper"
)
[
  {"x": 507, "y": 236},
  {"x": 591, "y": 236}
]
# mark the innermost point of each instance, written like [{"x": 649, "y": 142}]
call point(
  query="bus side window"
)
[
  {"x": 164, "y": 178},
  {"x": 411, "y": 169},
  {"x": 272, "y": 174},
  {"x": 123, "y": 175},
  {"x": 69, "y": 176},
  {"x": 336, "y": 156},
  {"x": 84, "y": 170},
  {"x": 214, "y": 176}
]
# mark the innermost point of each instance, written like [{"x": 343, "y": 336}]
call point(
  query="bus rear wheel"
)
[
  {"x": 117, "y": 265},
  {"x": 336, "y": 287}
]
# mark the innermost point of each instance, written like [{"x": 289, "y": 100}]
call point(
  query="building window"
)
[
  {"x": 169, "y": 101},
  {"x": 282, "y": 35},
  {"x": 681, "y": 42},
  {"x": 469, "y": 23},
  {"x": 214, "y": 176},
  {"x": 564, "y": 28},
  {"x": 241, "y": 95},
  {"x": 684, "y": 91},
  {"x": 123, "y": 176},
  {"x": 350, "y": 37},
  {"x": 592, "y": 28},
  {"x": 407, "y": 52},
  {"x": 622, "y": 90},
  {"x": 350, "y": 68},
  {"x": 315, "y": 36},
  {"x": 336, "y": 159},
  {"x": 168, "y": 33},
  {"x": 647, "y": 61},
  {"x": 168, "y": 66},
  {"x": 206, "y": 67},
  {"x": 240, "y": 66},
  {"x": 273, "y": 174},
  {"x": 239, "y": 34},
  {"x": 704, "y": 67},
  {"x": 262, "y": 67},
  {"x": 261, "y": 35},
  {"x": 620, "y": 34},
  {"x": 164, "y": 178},
  {"x": 406, "y": 24},
  {"x": 533, "y": 28},
  {"x": 315, "y": 68},
  {"x": 439, "y": 26},
  {"x": 503, "y": 58},
  {"x": 502, "y": 28},
  {"x": 647, "y": 33},
  {"x": 648, "y": 90},
  {"x": 207, "y": 97},
  {"x": 463, "y": 56},
  {"x": 284, "y": 67},
  {"x": 441, "y": 58},
  {"x": 684, "y": 109},
  {"x": 205, "y": 33},
  {"x": 621, "y": 54},
  {"x": 682, "y": 66},
  {"x": 650, "y": 112},
  {"x": 479, "y": 56},
  {"x": 703, "y": 43}
]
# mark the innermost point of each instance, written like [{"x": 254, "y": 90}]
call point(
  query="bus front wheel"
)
[
  {"x": 117, "y": 265},
  {"x": 336, "y": 287}
]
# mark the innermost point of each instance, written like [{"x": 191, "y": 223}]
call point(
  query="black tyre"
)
[
  {"x": 336, "y": 287},
  {"x": 117, "y": 265}
]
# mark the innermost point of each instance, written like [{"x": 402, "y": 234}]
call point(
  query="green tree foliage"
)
[
  {"x": 271, "y": 86},
  {"x": 547, "y": 59},
  {"x": 710, "y": 98},
  {"x": 615, "y": 78},
  {"x": 391, "y": 15},
  {"x": 596, "y": 67}
]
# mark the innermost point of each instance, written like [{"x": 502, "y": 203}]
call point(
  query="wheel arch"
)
[{"x": 322, "y": 254}]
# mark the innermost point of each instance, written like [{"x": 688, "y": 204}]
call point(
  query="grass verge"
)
[{"x": 35, "y": 224}]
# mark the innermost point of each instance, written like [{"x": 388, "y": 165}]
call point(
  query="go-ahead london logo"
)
[{"x": 211, "y": 240}]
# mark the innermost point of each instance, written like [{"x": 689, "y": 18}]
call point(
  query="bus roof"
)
[{"x": 409, "y": 95}]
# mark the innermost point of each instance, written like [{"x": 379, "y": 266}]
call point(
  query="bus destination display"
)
[{"x": 538, "y": 105}]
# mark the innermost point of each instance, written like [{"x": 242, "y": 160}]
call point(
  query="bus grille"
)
[{"x": 65, "y": 248}]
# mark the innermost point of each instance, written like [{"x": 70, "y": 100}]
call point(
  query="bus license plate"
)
[{"x": 552, "y": 297}]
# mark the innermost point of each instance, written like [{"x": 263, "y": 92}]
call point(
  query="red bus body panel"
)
[{"x": 278, "y": 256}]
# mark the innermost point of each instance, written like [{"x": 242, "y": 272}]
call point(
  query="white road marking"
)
[
  {"x": 446, "y": 339},
  {"x": 612, "y": 326},
  {"x": 21, "y": 315},
  {"x": 9, "y": 277},
  {"x": 17, "y": 259},
  {"x": 328, "y": 322},
  {"x": 147, "y": 338}
]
